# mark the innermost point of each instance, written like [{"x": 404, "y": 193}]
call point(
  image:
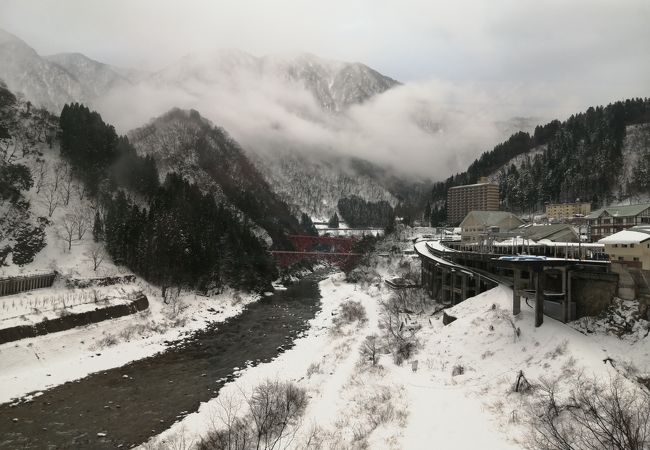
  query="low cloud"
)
[{"x": 429, "y": 129}]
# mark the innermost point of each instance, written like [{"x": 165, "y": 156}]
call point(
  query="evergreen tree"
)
[
  {"x": 98, "y": 228},
  {"x": 307, "y": 225},
  {"x": 334, "y": 221},
  {"x": 359, "y": 213}
]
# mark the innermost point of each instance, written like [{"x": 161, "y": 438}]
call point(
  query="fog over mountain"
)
[
  {"x": 428, "y": 86},
  {"x": 316, "y": 106},
  {"x": 300, "y": 103}
]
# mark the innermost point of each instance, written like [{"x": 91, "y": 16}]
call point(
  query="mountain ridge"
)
[{"x": 335, "y": 85}]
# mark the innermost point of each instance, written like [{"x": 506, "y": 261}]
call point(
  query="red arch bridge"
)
[{"x": 336, "y": 250}]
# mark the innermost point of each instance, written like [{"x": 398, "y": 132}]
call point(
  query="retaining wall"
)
[
  {"x": 74, "y": 320},
  {"x": 18, "y": 284}
]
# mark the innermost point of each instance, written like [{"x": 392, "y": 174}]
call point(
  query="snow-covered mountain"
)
[
  {"x": 315, "y": 184},
  {"x": 190, "y": 145},
  {"x": 42, "y": 82},
  {"x": 95, "y": 77},
  {"x": 53, "y": 81},
  {"x": 335, "y": 85}
]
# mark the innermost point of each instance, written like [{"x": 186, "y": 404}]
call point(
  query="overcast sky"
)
[
  {"x": 607, "y": 43},
  {"x": 467, "y": 64}
]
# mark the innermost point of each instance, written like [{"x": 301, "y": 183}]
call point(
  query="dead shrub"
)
[
  {"x": 107, "y": 341},
  {"x": 594, "y": 415},
  {"x": 370, "y": 349},
  {"x": 314, "y": 368},
  {"x": 400, "y": 338},
  {"x": 351, "y": 311},
  {"x": 274, "y": 411}
]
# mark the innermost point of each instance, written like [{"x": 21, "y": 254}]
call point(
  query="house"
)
[
  {"x": 630, "y": 247},
  {"x": 607, "y": 221},
  {"x": 478, "y": 224}
]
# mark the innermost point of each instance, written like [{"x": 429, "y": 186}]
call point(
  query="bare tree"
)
[
  {"x": 96, "y": 254},
  {"x": 67, "y": 229},
  {"x": 39, "y": 174},
  {"x": 81, "y": 191},
  {"x": 400, "y": 337},
  {"x": 58, "y": 173},
  {"x": 50, "y": 198},
  {"x": 66, "y": 183},
  {"x": 370, "y": 349},
  {"x": 275, "y": 409},
  {"x": 82, "y": 221},
  {"x": 596, "y": 415}
]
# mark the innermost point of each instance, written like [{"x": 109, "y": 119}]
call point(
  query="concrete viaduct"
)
[{"x": 564, "y": 289}]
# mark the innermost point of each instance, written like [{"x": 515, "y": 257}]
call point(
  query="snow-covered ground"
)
[
  {"x": 45, "y": 361},
  {"x": 28, "y": 308},
  {"x": 455, "y": 393}
]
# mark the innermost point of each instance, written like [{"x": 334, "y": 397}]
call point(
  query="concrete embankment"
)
[{"x": 67, "y": 322}]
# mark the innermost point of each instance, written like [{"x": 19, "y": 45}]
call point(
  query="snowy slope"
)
[
  {"x": 186, "y": 143},
  {"x": 45, "y": 361},
  {"x": 95, "y": 77},
  {"x": 335, "y": 85},
  {"x": 315, "y": 183},
  {"x": 636, "y": 144},
  {"x": 462, "y": 375},
  {"x": 52, "y": 81},
  {"x": 42, "y": 82}
]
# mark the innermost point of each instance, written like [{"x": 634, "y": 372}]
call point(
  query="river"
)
[{"x": 129, "y": 404}]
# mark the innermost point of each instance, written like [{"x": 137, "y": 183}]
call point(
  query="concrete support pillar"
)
[
  {"x": 539, "y": 298},
  {"x": 463, "y": 295},
  {"x": 453, "y": 286},
  {"x": 568, "y": 297},
  {"x": 516, "y": 299},
  {"x": 565, "y": 299}
]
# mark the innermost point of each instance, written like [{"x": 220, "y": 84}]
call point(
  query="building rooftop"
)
[
  {"x": 620, "y": 211},
  {"x": 539, "y": 232},
  {"x": 490, "y": 218},
  {"x": 472, "y": 185},
  {"x": 634, "y": 235}
]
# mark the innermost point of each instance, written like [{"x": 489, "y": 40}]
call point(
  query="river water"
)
[{"x": 130, "y": 404}]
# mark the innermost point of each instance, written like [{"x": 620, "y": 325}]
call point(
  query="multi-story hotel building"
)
[
  {"x": 562, "y": 211},
  {"x": 482, "y": 196}
]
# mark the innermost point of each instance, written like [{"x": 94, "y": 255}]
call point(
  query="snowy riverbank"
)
[
  {"x": 41, "y": 362},
  {"x": 462, "y": 373}
]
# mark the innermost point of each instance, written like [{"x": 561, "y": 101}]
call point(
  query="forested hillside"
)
[
  {"x": 172, "y": 233},
  {"x": 70, "y": 180},
  {"x": 582, "y": 157},
  {"x": 23, "y": 132},
  {"x": 359, "y": 213},
  {"x": 184, "y": 142},
  {"x": 315, "y": 183}
]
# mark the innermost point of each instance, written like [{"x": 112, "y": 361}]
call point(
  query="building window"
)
[
  {"x": 631, "y": 245},
  {"x": 624, "y": 245},
  {"x": 615, "y": 245},
  {"x": 636, "y": 259},
  {"x": 620, "y": 258},
  {"x": 645, "y": 219}
]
